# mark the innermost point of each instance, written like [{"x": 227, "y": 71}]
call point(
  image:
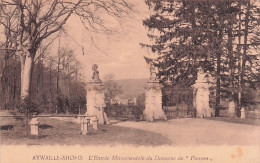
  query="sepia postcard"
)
[{"x": 93, "y": 81}]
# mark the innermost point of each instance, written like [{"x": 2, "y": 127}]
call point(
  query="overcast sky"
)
[{"x": 120, "y": 53}]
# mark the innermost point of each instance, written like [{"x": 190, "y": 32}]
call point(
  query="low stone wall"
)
[
  {"x": 68, "y": 119},
  {"x": 8, "y": 120}
]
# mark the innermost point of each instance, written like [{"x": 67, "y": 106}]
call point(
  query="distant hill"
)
[{"x": 132, "y": 87}]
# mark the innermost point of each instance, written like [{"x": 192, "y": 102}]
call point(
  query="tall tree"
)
[
  {"x": 205, "y": 33},
  {"x": 248, "y": 73},
  {"x": 30, "y": 22},
  {"x": 112, "y": 89}
]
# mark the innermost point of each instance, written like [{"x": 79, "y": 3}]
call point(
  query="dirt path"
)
[{"x": 190, "y": 132}]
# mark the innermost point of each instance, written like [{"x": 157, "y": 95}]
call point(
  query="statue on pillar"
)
[
  {"x": 201, "y": 93},
  {"x": 95, "y": 76},
  {"x": 153, "y": 97},
  {"x": 201, "y": 76},
  {"x": 96, "y": 98},
  {"x": 153, "y": 73}
]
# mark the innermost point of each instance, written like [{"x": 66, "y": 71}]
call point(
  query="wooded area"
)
[
  {"x": 222, "y": 37},
  {"x": 30, "y": 77},
  {"x": 57, "y": 85}
]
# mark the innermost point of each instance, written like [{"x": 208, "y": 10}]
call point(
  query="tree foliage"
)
[
  {"x": 112, "y": 89},
  {"x": 219, "y": 36},
  {"x": 28, "y": 23},
  {"x": 70, "y": 96}
]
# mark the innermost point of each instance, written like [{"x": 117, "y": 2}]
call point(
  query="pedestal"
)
[
  {"x": 34, "y": 126},
  {"x": 96, "y": 101},
  {"x": 84, "y": 125},
  {"x": 202, "y": 100},
  {"x": 201, "y": 95},
  {"x": 95, "y": 123},
  {"x": 153, "y": 102},
  {"x": 231, "y": 109},
  {"x": 243, "y": 114}
]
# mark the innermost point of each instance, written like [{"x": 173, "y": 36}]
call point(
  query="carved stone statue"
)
[
  {"x": 153, "y": 73},
  {"x": 201, "y": 75},
  {"x": 201, "y": 94},
  {"x": 95, "y": 75}
]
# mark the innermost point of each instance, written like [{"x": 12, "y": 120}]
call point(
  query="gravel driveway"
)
[{"x": 191, "y": 131}]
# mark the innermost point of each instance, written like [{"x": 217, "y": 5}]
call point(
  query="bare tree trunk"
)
[
  {"x": 26, "y": 76},
  {"x": 58, "y": 74},
  {"x": 242, "y": 83},
  {"x": 3, "y": 67},
  {"x": 14, "y": 84},
  {"x": 50, "y": 74},
  {"x": 230, "y": 55},
  {"x": 42, "y": 73},
  {"x": 218, "y": 85},
  {"x": 76, "y": 80},
  {"x": 39, "y": 72},
  {"x": 58, "y": 67},
  {"x": 38, "y": 77},
  {"x": 239, "y": 64},
  {"x": 22, "y": 59},
  {"x": 218, "y": 82},
  {"x": 2, "y": 83}
]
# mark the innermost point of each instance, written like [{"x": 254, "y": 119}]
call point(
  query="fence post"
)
[
  {"x": 95, "y": 123},
  {"x": 84, "y": 125},
  {"x": 34, "y": 123},
  {"x": 243, "y": 115}
]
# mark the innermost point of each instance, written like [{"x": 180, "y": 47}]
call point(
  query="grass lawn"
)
[
  {"x": 52, "y": 131},
  {"x": 122, "y": 132}
]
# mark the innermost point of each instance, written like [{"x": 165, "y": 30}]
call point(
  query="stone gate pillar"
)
[
  {"x": 153, "y": 99},
  {"x": 201, "y": 95},
  {"x": 96, "y": 97}
]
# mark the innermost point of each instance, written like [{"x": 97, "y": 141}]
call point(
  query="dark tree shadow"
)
[
  {"x": 45, "y": 126},
  {"x": 7, "y": 127}
]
